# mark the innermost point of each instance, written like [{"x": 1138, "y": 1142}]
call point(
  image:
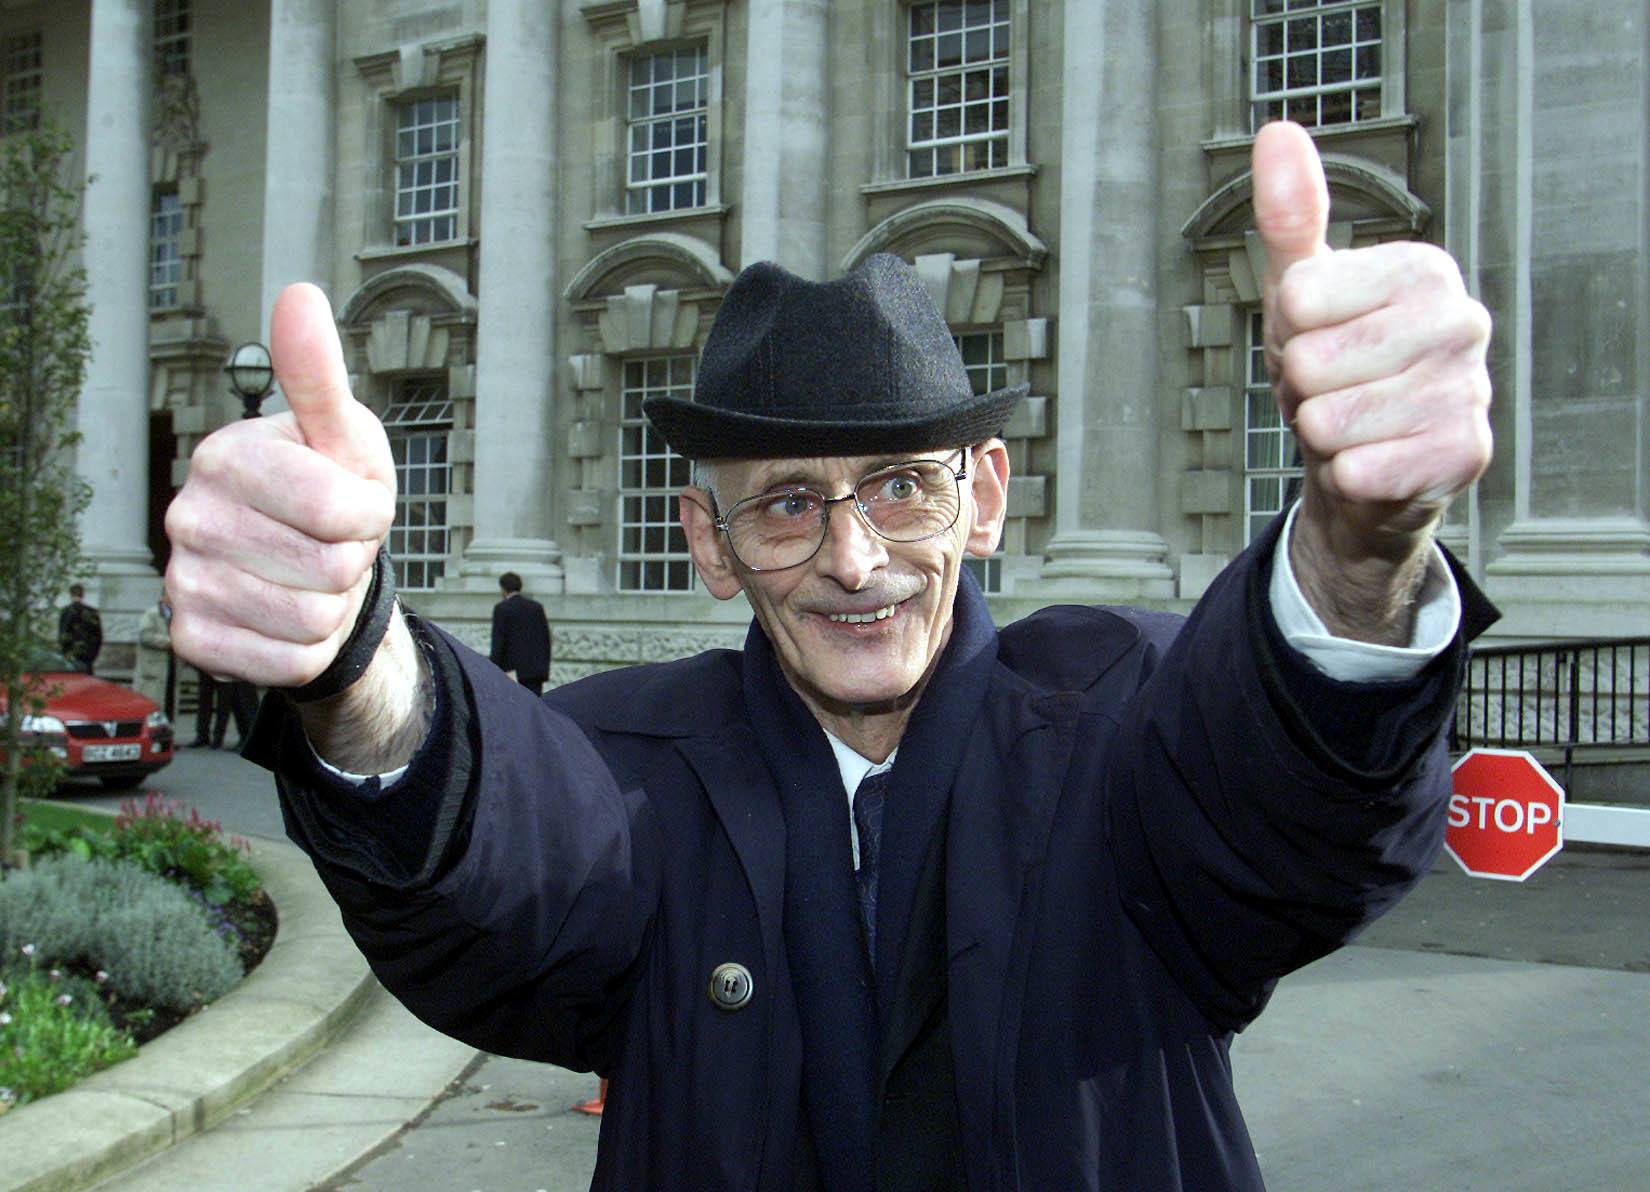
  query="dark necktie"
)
[{"x": 868, "y": 801}]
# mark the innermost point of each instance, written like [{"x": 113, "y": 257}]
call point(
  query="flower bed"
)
[{"x": 137, "y": 924}]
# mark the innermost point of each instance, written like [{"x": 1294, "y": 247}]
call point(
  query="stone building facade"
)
[{"x": 526, "y": 212}]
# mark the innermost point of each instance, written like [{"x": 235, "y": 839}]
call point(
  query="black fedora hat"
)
[{"x": 857, "y": 366}]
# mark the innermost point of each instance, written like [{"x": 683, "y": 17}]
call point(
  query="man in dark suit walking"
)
[{"x": 521, "y": 635}]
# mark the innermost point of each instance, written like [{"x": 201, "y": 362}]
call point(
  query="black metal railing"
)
[{"x": 1563, "y": 696}]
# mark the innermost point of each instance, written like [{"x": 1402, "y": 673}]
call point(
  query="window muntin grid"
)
[
  {"x": 20, "y": 54},
  {"x": 419, "y": 423},
  {"x": 165, "y": 249},
  {"x": 983, "y": 360},
  {"x": 958, "y": 85},
  {"x": 1271, "y": 457},
  {"x": 669, "y": 97},
  {"x": 1317, "y": 62},
  {"x": 426, "y": 170},
  {"x": 987, "y": 368},
  {"x": 653, "y": 553},
  {"x": 172, "y": 27}
]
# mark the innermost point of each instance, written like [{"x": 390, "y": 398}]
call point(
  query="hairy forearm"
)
[
  {"x": 378, "y": 722},
  {"x": 1358, "y": 594}
]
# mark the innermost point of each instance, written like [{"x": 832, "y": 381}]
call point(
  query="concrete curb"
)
[{"x": 292, "y": 1006}]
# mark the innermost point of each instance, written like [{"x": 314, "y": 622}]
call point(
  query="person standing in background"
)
[
  {"x": 521, "y": 635},
  {"x": 218, "y": 700},
  {"x": 79, "y": 630},
  {"x": 152, "y": 674}
]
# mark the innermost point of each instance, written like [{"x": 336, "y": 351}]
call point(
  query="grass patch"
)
[{"x": 62, "y": 817}]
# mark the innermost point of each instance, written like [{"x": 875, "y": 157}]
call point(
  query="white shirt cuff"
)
[
  {"x": 1437, "y": 617},
  {"x": 356, "y": 779}
]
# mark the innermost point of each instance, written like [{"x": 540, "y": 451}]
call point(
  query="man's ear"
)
[
  {"x": 706, "y": 545},
  {"x": 989, "y": 479}
]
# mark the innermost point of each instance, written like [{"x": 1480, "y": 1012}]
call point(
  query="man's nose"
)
[{"x": 851, "y": 552}]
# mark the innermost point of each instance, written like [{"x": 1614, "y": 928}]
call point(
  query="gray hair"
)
[{"x": 705, "y": 477}]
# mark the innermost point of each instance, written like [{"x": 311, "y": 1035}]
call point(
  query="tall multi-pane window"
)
[
  {"x": 172, "y": 22},
  {"x": 957, "y": 68},
  {"x": 426, "y": 170},
  {"x": 987, "y": 368},
  {"x": 20, "y": 58},
  {"x": 1271, "y": 458},
  {"x": 165, "y": 244},
  {"x": 1317, "y": 62},
  {"x": 653, "y": 551},
  {"x": 669, "y": 130},
  {"x": 419, "y": 423}
]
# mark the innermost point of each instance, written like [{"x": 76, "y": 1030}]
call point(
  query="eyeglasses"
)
[{"x": 785, "y": 526}]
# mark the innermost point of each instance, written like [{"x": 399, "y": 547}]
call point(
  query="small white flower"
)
[
  {"x": 102, "y": 976},
  {"x": 5, "y": 1019},
  {"x": 55, "y": 974},
  {"x": 28, "y": 949},
  {"x": 63, "y": 999}
]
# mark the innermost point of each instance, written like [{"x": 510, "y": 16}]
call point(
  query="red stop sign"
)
[{"x": 1506, "y": 815}]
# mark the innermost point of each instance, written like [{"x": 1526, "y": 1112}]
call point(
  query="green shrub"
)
[
  {"x": 54, "y": 1030},
  {"x": 157, "y": 835},
  {"x": 154, "y": 940}
]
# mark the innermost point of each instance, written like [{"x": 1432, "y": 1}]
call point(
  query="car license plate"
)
[{"x": 111, "y": 753}]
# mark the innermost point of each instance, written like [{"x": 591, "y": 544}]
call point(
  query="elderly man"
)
[{"x": 889, "y": 898}]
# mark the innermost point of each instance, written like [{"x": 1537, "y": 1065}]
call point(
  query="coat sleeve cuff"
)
[
  {"x": 399, "y": 833},
  {"x": 1366, "y": 733}
]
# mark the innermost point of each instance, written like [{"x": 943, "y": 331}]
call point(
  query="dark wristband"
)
[{"x": 363, "y": 642}]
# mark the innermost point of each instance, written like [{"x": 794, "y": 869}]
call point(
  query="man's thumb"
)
[
  {"x": 1291, "y": 197},
  {"x": 309, "y": 362}
]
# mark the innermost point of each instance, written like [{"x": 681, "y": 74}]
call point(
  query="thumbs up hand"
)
[
  {"x": 275, "y": 532},
  {"x": 1377, "y": 359}
]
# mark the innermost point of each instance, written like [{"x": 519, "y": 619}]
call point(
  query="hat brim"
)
[{"x": 704, "y": 432}]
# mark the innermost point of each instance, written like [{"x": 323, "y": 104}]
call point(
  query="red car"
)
[{"x": 100, "y": 729}]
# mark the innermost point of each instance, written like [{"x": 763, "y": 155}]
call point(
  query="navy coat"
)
[{"x": 1153, "y": 821}]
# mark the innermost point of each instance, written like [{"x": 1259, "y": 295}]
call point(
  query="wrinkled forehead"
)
[{"x": 734, "y": 479}]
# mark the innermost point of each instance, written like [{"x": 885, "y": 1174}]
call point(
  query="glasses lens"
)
[
  {"x": 903, "y": 503},
  {"x": 777, "y": 529},
  {"x": 911, "y": 501}
]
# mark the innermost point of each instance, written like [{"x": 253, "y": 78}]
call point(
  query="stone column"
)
[
  {"x": 787, "y": 106},
  {"x": 1566, "y": 262},
  {"x": 516, "y": 363},
  {"x": 1106, "y": 543},
  {"x": 299, "y": 162},
  {"x": 114, "y": 400}
]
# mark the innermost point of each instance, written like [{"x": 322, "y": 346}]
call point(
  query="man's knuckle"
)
[
  {"x": 183, "y": 520},
  {"x": 337, "y": 566},
  {"x": 316, "y": 616},
  {"x": 1296, "y": 299}
]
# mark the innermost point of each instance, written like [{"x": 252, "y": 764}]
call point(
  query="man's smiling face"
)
[{"x": 859, "y": 625}]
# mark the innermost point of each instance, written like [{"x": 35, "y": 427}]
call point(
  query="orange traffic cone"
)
[{"x": 594, "y": 1107}]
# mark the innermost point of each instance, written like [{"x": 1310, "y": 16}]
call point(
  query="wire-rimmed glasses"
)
[{"x": 905, "y": 502}]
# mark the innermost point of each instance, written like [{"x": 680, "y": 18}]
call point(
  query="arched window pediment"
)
[
  {"x": 420, "y": 289},
  {"x": 664, "y": 260},
  {"x": 1359, "y": 192},
  {"x": 979, "y": 229}
]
